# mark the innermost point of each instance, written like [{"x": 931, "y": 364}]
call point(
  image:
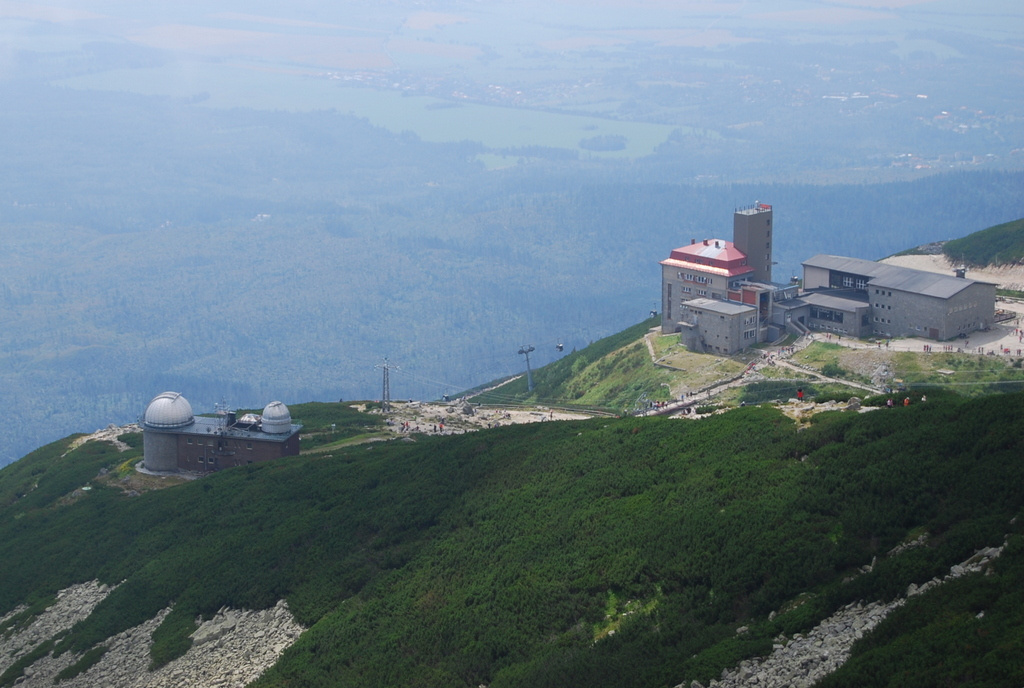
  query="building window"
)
[
  {"x": 248, "y": 445},
  {"x": 702, "y": 292},
  {"x": 188, "y": 440},
  {"x": 826, "y": 314}
]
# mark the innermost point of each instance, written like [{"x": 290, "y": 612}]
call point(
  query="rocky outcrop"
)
[
  {"x": 230, "y": 650},
  {"x": 236, "y": 646},
  {"x": 803, "y": 660},
  {"x": 72, "y": 605}
]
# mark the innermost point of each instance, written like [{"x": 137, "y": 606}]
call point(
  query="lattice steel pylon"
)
[
  {"x": 385, "y": 397},
  {"x": 525, "y": 350}
]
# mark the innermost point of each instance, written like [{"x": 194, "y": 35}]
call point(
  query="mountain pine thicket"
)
[{"x": 507, "y": 557}]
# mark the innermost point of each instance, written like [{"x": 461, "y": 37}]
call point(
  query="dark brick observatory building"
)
[{"x": 174, "y": 439}]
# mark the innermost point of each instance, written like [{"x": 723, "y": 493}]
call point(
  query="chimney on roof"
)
[
  {"x": 716, "y": 245},
  {"x": 692, "y": 242},
  {"x": 961, "y": 272},
  {"x": 705, "y": 242}
]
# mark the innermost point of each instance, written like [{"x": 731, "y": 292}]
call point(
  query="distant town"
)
[{"x": 566, "y": 96}]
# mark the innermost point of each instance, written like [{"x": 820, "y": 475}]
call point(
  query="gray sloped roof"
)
[
  {"x": 893, "y": 276},
  {"x": 834, "y": 301},
  {"x": 721, "y": 307}
]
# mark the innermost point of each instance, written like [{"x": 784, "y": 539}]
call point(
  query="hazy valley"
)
[{"x": 246, "y": 201}]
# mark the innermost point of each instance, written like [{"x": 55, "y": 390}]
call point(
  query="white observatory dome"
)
[
  {"x": 169, "y": 410},
  {"x": 276, "y": 418}
]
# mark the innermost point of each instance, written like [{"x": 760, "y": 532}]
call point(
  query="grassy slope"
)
[
  {"x": 609, "y": 374},
  {"x": 505, "y": 557},
  {"x": 967, "y": 374},
  {"x": 999, "y": 245}
]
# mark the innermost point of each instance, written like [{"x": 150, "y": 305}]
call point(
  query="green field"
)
[{"x": 432, "y": 119}]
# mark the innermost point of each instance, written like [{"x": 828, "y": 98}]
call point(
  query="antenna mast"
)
[{"x": 525, "y": 350}]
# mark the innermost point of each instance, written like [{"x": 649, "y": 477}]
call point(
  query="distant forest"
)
[{"x": 152, "y": 244}]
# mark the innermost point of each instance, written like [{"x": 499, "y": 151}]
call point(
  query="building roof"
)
[
  {"x": 276, "y": 418},
  {"x": 168, "y": 410},
  {"x": 827, "y": 299},
  {"x": 171, "y": 412},
  {"x": 211, "y": 427},
  {"x": 921, "y": 282},
  {"x": 720, "y": 307},
  {"x": 710, "y": 249},
  {"x": 709, "y": 269},
  {"x": 712, "y": 257},
  {"x": 893, "y": 276},
  {"x": 757, "y": 207}
]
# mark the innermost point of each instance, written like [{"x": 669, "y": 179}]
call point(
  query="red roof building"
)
[
  {"x": 737, "y": 271},
  {"x": 706, "y": 269},
  {"x": 721, "y": 270},
  {"x": 711, "y": 256}
]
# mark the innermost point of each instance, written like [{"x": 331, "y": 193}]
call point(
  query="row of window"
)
[
  {"x": 962, "y": 307},
  {"x": 826, "y": 314},
  {"x": 211, "y": 443},
  {"x": 690, "y": 277}
]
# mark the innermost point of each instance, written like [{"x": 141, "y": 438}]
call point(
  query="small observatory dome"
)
[
  {"x": 169, "y": 410},
  {"x": 277, "y": 418}
]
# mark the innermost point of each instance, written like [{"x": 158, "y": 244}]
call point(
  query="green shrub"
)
[
  {"x": 86, "y": 662},
  {"x": 833, "y": 369},
  {"x": 172, "y": 638},
  {"x": 504, "y": 557}
]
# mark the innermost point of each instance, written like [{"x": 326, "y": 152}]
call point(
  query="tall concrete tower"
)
[{"x": 752, "y": 234}]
